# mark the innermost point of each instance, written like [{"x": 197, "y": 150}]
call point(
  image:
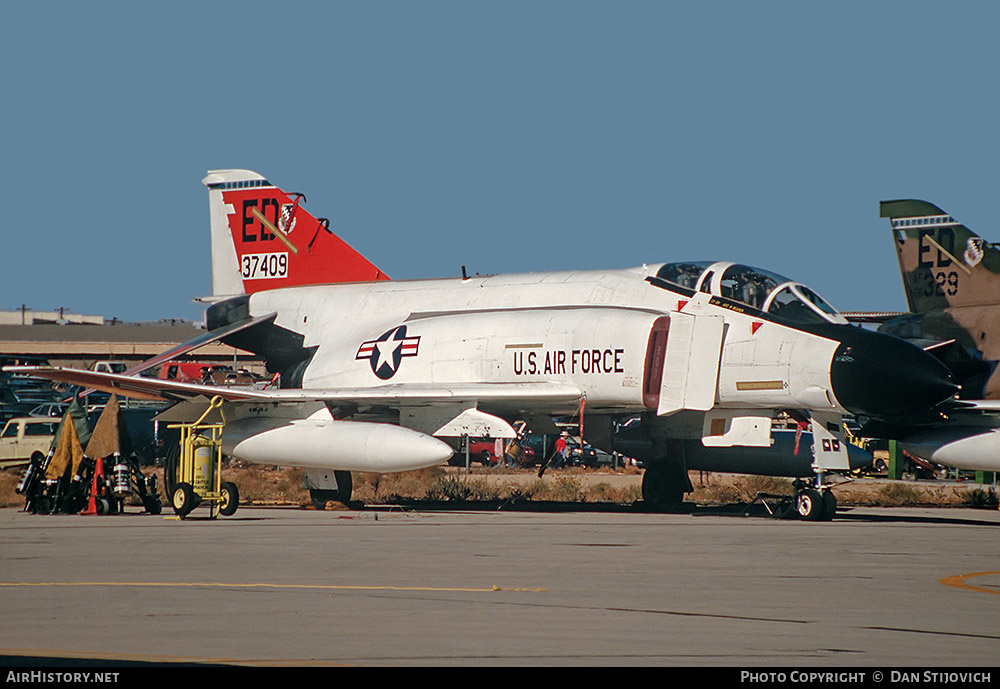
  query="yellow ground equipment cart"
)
[{"x": 199, "y": 471}]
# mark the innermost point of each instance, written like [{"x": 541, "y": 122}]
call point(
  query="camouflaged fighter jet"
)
[
  {"x": 951, "y": 277},
  {"x": 383, "y": 375}
]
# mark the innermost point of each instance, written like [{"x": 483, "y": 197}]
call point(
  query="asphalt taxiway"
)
[{"x": 875, "y": 587}]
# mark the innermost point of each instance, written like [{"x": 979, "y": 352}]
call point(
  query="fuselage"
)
[{"x": 596, "y": 330}]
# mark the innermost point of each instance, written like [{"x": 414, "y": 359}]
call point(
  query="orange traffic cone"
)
[{"x": 92, "y": 504}]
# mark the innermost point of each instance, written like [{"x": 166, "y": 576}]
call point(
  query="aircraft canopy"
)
[{"x": 763, "y": 290}]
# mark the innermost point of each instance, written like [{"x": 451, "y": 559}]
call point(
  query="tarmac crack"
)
[
  {"x": 934, "y": 632},
  {"x": 615, "y": 609}
]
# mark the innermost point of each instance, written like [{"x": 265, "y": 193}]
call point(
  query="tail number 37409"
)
[{"x": 264, "y": 266}]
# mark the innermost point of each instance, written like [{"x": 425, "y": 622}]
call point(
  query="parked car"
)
[
  {"x": 586, "y": 454},
  {"x": 24, "y": 437},
  {"x": 482, "y": 450},
  {"x": 579, "y": 454},
  {"x": 109, "y": 366},
  {"x": 184, "y": 371},
  {"x": 56, "y": 409},
  {"x": 522, "y": 453}
]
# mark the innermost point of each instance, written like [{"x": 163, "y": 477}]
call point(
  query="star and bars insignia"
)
[{"x": 385, "y": 354}]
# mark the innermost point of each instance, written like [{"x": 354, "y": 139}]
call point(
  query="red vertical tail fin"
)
[{"x": 263, "y": 238}]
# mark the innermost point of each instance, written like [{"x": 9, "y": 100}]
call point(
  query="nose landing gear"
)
[{"x": 814, "y": 504}]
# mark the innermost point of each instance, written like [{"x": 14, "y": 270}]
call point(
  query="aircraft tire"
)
[
  {"x": 660, "y": 489},
  {"x": 344, "y": 485},
  {"x": 829, "y": 505},
  {"x": 321, "y": 496},
  {"x": 230, "y": 499},
  {"x": 809, "y": 505}
]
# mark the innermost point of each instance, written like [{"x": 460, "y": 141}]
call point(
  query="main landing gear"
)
[
  {"x": 328, "y": 486},
  {"x": 664, "y": 485}
]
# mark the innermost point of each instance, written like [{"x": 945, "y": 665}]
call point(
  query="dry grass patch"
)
[
  {"x": 980, "y": 497},
  {"x": 8, "y": 484},
  {"x": 605, "y": 492},
  {"x": 262, "y": 484},
  {"x": 905, "y": 495},
  {"x": 721, "y": 489}
]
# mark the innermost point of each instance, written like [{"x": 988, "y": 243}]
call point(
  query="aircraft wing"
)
[
  {"x": 200, "y": 341},
  {"x": 389, "y": 395},
  {"x": 184, "y": 348}
]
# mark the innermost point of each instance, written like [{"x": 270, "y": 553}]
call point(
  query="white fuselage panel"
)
[{"x": 590, "y": 329}]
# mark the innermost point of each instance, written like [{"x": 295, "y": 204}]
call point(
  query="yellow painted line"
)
[
  {"x": 958, "y": 581},
  {"x": 215, "y": 584}
]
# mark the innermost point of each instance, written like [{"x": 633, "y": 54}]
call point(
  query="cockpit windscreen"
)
[
  {"x": 763, "y": 290},
  {"x": 683, "y": 274}
]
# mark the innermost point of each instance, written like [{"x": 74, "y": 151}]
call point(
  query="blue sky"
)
[{"x": 506, "y": 136}]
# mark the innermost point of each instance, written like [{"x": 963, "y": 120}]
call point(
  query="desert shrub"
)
[
  {"x": 750, "y": 486},
  {"x": 600, "y": 492},
  {"x": 409, "y": 485},
  {"x": 264, "y": 483},
  {"x": 566, "y": 489},
  {"x": 717, "y": 493},
  {"x": 897, "y": 495},
  {"x": 979, "y": 497},
  {"x": 448, "y": 488},
  {"x": 535, "y": 490},
  {"x": 454, "y": 488},
  {"x": 605, "y": 492},
  {"x": 740, "y": 489}
]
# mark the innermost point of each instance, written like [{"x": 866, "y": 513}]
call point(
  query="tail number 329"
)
[{"x": 264, "y": 266}]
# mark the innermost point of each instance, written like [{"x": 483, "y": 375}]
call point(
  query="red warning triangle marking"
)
[
  {"x": 754, "y": 327},
  {"x": 681, "y": 303}
]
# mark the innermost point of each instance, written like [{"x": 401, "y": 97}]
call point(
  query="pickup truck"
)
[{"x": 24, "y": 437}]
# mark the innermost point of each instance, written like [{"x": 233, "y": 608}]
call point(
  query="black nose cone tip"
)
[{"x": 883, "y": 376}]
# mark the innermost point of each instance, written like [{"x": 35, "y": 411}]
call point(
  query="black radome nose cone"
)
[{"x": 883, "y": 376}]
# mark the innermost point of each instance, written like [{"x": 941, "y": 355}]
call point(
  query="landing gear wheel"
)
[
  {"x": 661, "y": 489},
  {"x": 319, "y": 497},
  {"x": 344, "y": 486},
  {"x": 230, "y": 499},
  {"x": 342, "y": 493},
  {"x": 809, "y": 505},
  {"x": 183, "y": 499},
  {"x": 829, "y": 505}
]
